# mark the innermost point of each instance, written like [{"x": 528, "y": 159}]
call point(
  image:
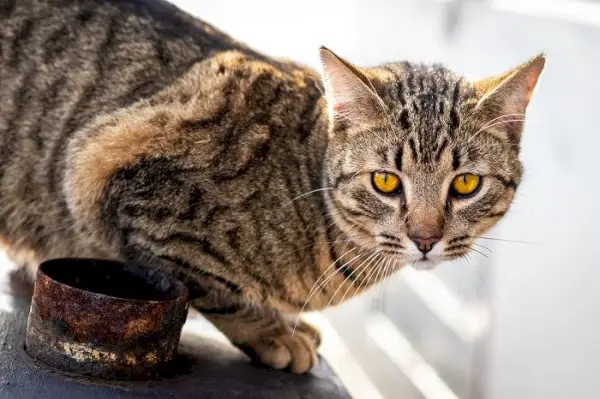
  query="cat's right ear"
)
[
  {"x": 505, "y": 97},
  {"x": 350, "y": 96}
]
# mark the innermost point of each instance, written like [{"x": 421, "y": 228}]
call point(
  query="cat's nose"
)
[{"x": 425, "y": 243}]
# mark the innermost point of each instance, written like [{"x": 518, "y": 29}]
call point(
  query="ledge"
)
[{"x": 205, "y": 368}]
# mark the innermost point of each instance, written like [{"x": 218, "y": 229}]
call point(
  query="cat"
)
[{"x": 130, "y": 130}]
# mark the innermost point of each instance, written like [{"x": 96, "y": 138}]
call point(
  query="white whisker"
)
[
  {"x": 313, "y": 290},
  {"x": 350, "y": 275},
  {"x": 492, "y": 125},
  {"x": 379, "y": 288},
  {"x": 501, "y": 117},
  {"x": 308, "y": 193},
  {"x": 357, "y": 290}
]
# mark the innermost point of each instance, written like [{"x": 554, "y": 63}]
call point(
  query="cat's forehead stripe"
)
[
  {"x": 455, "y": 159},
  {"x": 427, "y": 103},
  {"x": 440, "y": 150},
  {"x": 398, "y": 158}
]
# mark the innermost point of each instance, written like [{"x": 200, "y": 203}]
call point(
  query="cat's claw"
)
[{"x": 286, "y": 348}]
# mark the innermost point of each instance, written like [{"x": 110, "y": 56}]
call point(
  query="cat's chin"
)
[{"x": 425, "y": 264}]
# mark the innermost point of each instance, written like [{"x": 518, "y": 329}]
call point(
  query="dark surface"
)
[
  {"x": 105, "y": 319},
  {"x": 204, "y": 368}
]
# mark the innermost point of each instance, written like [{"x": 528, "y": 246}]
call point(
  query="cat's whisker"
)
[
  {"x": 506, "y": 240},
  {"x": 306, "y": 194},
  {"x": 352, "y": 238},
  {"x": 379, "y": 281},
  {"x": 369, "y": 260},
  {"x": 367, "y": 268},
  {"x": 364, "y": 283},
  {"x": 349, "y": 237},
  {"x": 331, "y": 243},
  {"x": 500, "y": 119},
  {"x": 360, "y": 285},
  {"x": 331, "y": 214},
  {"x": 492, "y": 125},
  {"x": 383, "y": 266},
  {"x": 387, "y": 272},
  {"x": 515, "y": 115},
  {"x": 468, "y": 257},
  {"x": 371, "y": 280},
  {"x": 381, "y": 104},
  {"x": 318, "y": 288},
  {"x": 491, "y": 122},
  {"x": 351, "y": 222},
  {"x": 483, "y": 246},
  {"x": 392, "y": 266},
  {"x": 333, "y": 264},
  {"x": 360, "y": 171},
  {"x": 479, "y": 252},
  {"x": 481, "y": 287}
]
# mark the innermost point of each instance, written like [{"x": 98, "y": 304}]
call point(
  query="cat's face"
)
[{"x": 422, "y": 161}]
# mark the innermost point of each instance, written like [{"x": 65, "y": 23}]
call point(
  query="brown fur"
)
[{"x": 131, "y": 131}]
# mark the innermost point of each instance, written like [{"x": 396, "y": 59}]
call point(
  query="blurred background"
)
[{"x": 521, "y": 319}]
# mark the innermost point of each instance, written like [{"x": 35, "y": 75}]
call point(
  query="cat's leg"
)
[{"x": 266, "y": 335}]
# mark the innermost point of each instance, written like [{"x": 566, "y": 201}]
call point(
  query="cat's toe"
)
[
  {"x": 303, "y": 350},
  {"x": 313, "y": 334},
  {"x": 269, "y": 352},
  {"x": 293, "y": 350}
]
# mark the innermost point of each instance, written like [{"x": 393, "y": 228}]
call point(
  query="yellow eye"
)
[
  {"x": 466, "y": 184},
  {"x": 386, "y": 183}
]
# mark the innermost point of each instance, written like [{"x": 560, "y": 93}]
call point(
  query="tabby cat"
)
[{"x": 130, "y": 130}]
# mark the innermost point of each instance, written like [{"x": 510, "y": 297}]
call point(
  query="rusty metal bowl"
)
[{"x": 105, "y": 319}]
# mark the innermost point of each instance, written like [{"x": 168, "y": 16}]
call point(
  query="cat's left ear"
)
[
  {"x": 507, "y": 96},
  {"x": 350, "y": 96}
]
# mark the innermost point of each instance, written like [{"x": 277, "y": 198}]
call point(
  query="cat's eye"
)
[
  {"x": 386, "y": 183},
  {"x": 465, "y": 185}
]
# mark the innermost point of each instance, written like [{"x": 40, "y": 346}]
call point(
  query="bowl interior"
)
[{"x": 115, "y": 279}]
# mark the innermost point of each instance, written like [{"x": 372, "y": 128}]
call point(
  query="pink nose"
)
[{"x": 425, "y": 243}]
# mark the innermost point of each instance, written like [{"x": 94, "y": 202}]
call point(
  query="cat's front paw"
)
[{"x": 286, "y": 348}]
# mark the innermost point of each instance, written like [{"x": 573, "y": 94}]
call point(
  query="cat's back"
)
[{"x": 62, "y": 63}]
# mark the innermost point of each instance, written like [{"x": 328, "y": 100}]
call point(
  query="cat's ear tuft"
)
[
  {"x": 349, "y": 94},
  {"x": 511, "y": 92}
]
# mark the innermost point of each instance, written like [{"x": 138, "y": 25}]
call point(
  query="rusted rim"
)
[
  {"x": 105, "y": 318},
  {"x": 136, "y": 270}
]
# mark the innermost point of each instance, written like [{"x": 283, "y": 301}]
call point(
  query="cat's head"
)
[{"x": 421, "y": 160}]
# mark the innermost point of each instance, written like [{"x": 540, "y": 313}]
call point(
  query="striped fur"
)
[
  {"x": 130, "y": 130},
  {"x": 430, "y": 125}
]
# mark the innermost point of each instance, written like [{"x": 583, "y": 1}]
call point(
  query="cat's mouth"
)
[
  {"x": 419, "y": 260},
  {"x": 403, "y": 254},
  {"x": 425, "y": 263}
]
